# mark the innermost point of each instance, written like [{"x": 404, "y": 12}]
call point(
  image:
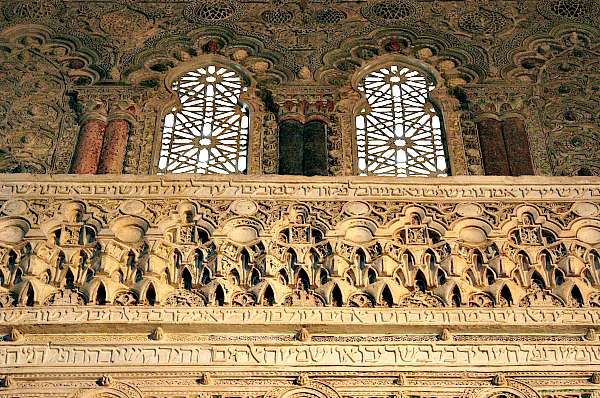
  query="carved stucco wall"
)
[
  {"x": 535, "y": 60},
  {"x": 281, "y": 287},
  {"x": 477, "y": 287}
]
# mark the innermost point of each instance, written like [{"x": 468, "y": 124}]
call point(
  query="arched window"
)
[
  {"x": 209, "y": 133},
  {"x": 399, "y": 133}
]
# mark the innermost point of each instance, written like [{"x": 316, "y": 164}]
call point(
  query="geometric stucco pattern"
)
[
  {"x": 262, "y": 286},
  {"x": 275, "y": 287},
  {"x": 317, "y": 251},
  {"x": 303, "y": 56}
]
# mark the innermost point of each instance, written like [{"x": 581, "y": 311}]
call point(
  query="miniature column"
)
[
  {"x": 93, "y": 126},
  {"x": 493, "y": 148},
  {"x": 515, "y": 136},
  {"x": 120, "y": 120}
]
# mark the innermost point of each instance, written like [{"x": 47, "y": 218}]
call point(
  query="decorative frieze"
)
[{"x": 220, "y": 241}]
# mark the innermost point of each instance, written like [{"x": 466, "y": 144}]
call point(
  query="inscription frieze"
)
[
  {"x": 435, "y": 354},
  {"x": 452, "y": 188},
  {"x": 292, "y": 316}
]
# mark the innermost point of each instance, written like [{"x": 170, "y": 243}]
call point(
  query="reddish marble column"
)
[
  {"x": 91, "y": 136},
  {"x": 113, "y": 149},
  {"x": 493, "y": 149},
  {"x": 518, "y": 153},
  {"x": 121, "y": 119}
]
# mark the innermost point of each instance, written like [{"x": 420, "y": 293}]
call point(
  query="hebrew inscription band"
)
[
  {"x": 453, "y": 188},
  {"x": 539, "y": 317},
  {"x": 437, "y": 354}
]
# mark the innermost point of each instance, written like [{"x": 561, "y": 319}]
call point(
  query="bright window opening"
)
[
  {"x": 400, "y": 133},
  {"x": 209, "y": 134}
]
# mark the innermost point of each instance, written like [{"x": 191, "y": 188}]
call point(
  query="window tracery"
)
[
  {"x": 208, "y": 134},
  {"x": 399, "y": 133}
]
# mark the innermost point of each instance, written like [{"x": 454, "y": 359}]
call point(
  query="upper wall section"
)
[{"x": 517, "y": 63}]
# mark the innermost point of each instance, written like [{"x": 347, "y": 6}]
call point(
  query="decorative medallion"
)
[
  {"x": 244, "y": 207},
  {"x": 469, "y": 210},
  {"x": 585, "y": 209},
  {"x": 306, "y": 388},
  {"x": 327, "y": 16},
  {"x": 356, "y": 208},
  {"x": 278, "y": 16},
  {"x": 32, "y": 10},
  {"x": 484, "y": 21},
  {"x": 14, "y": 207},
  {"x": 132, "y": 207},
  {"x": 391, "y": 12},
  {"x": 568, "y": 9},
  {"x": 212, "y": 11}
]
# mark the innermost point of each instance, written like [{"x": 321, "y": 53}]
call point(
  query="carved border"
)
[{"x": 286, "y": 187}]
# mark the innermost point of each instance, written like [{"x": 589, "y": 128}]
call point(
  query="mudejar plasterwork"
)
[
  {"x": 299, "y": 199},
  {"x": 166, "y": 272}
]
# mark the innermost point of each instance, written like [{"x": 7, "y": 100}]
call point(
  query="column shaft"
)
[
  {"x": 515, "y": 137},
  {"x": 89, "y": 146},
  {"x": 493, "y": 149},
  {"x": 113, "y": 149}
]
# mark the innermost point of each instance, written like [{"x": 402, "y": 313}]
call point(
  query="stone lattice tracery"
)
[
  {"x": 400, "y": 132},
  {"x": 209, "y": 134}
]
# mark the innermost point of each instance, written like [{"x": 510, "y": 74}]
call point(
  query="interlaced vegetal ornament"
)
[
  {"x": 400, "y": 132},
  {"x": 391, "y": 12},
  {"x": 569, "y": 9},
  {"x": 209, "y": 134}
]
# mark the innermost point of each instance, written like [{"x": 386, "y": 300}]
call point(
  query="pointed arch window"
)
[
  {"x": 399, "y": 132},
  {"x": 208, "y": 134}
]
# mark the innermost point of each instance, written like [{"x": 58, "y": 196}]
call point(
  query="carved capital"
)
[
  {"x": 125, "y": 109},
  {"x": 93, "y": 109}
]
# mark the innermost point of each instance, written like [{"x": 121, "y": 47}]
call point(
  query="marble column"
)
[
  {"x": 121, "y": 119},
  {"x": 515, "y": 137},
  {"x": 89, "y": 146},
  {"x": 493, "y": 149}
]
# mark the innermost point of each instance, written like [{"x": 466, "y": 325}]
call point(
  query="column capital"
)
[
  {"x": 125, "y": 109},
  {"x": 119, "y": 102},
  {"x": 93, "y": 108}
]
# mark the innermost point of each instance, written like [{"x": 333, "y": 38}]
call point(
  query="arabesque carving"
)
[
  {"x": 514, "y": 51},
  {"x": 366, "y": 253}
]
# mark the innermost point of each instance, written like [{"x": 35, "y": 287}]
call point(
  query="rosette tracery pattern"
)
[
  {"x": 209, "y": 134},
  {"x": 400, "y": 133}
]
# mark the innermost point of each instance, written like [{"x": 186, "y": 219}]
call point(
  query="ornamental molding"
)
[
  {"x": 429, "y": 355},
  {"x": 274, "y": 187}
]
